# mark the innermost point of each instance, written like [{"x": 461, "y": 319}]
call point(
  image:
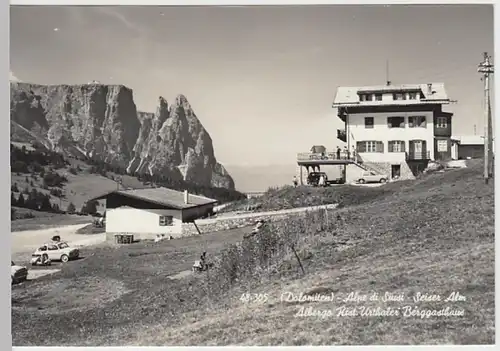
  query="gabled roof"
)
[
  {"x": 162, "y": 196},
  {"x": 349, "y": 96}
]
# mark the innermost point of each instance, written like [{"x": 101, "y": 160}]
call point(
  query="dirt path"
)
[{"x": 24, "y": 242}]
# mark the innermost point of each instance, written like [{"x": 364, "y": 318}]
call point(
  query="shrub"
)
[
  {"x": 56, "y": 192},
  {"x": 71, "y": 208},
  {"x": 89, "y": 208},
  {"x": 264, "y": 253},
  {"x": 53, "y": 179}
]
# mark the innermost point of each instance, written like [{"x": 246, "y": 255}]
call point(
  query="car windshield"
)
[{"x": 63, "y": 245}]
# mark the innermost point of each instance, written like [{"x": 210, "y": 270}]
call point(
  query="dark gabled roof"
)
[{"x": 163, "y": 197}]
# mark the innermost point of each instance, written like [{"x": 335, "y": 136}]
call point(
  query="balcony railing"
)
[
  {"x": 309, "y": 156},
  {"x": 418, "y": 155},
  {"x": 341, "y": 135}
]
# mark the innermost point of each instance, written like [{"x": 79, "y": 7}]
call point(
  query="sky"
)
[{"x": 261, "y": 79}]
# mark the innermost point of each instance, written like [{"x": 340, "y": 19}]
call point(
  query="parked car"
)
[
  {"x": 372, "y": 177},
  {"x": 18, "y": 273},
  {"x": 58, "y": 251},
  {"x": 313, "y": 178}
]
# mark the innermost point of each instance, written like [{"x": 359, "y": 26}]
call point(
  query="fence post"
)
[{"x": 298, "y": 259}]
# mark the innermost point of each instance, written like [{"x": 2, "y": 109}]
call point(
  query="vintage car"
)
[
  {"x": 18, "y": 273},
  {"x": 58, "y": 251},
  {"x": 372, "y": 177}
]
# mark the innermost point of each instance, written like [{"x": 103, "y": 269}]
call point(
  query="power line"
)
[{"x": 486, "y": 68}]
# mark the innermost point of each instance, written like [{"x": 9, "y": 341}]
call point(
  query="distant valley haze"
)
[{"x": 260, "y": 79}]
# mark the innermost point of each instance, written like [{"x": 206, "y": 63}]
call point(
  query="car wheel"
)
[
  {"x": 64, "y": 258},
  {"x": 383, "y": 180},
  {"x": 361, "y": 181}
]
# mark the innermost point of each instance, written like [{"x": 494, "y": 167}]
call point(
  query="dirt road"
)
[{"x": 25, "y": 242}]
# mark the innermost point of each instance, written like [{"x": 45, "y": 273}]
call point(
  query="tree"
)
[
  {"x": 14, "y": 188},
  {"x": 71, "y": 208},
  {"x": 13, "y": 200},
  {"x": 20, "y": 201},
  {"x": 89, "y": 207},
  {"x": 45, "y": 204}
]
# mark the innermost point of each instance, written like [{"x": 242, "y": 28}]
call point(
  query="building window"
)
[
  {"x": 378, "y": 97},
  {"x": 166, "y": 221},
  {"x": 370, "y": 146},
  {"x": 396, "y": 146},
  {"x": 417, "y": 122},
  {"x": 396, "y": 122},
  {"x": 412, "y": 96},
  {"x": 442, "y": 122},
  {"x": 442, "y": 145},
  {"x": 368, "y": 122},
  {"x": 365, "y": 97},
  {"x": 399, "y": 96}
]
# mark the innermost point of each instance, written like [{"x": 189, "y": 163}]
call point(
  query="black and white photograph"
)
[{"x": 252, "y": 175}]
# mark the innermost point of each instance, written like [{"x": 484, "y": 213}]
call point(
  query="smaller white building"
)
[{"x": 151, "y": 211}]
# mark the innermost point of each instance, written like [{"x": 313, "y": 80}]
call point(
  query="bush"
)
[
  {"x": 71, "y": 208},
  {"x": 264, "y": 253},
  {"x": 56, "y": 192},
  {"x": 89, "y": 208},
  {"x": 53, "y": 179}
]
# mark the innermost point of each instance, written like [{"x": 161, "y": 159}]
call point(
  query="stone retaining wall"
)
[
  {"x": 211, "y": 225},
  {"x": 225, "y": 224}
]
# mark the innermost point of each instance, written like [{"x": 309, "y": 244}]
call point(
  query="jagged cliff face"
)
[{"x": 101, "y": 121}]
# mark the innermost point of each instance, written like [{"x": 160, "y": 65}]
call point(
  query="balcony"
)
[
  {"x": 341, "y": 135},
  {"x": 418, "y": 155},
  {"x": 309, "y": 158},
  {"x": 342, "y": 114}
]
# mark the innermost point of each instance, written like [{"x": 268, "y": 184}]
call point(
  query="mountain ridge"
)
[{"x": 101, "y": 121}]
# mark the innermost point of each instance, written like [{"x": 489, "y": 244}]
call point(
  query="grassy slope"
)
[
  {"x": 435, "y": 236},
  {"x": 43, "y": 220},
  {"x": 79, "y": 189}
]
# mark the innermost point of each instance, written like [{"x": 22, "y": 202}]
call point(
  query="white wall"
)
[
  {"x": 356, "y": 131},
  {"x": 131, "y": 220}
]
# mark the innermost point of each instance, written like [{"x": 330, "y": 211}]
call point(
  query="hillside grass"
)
[
  {"x": 288, "y": 197},
  {"x": 434, "y": 235},
  {"x": 35, "y": 220}
]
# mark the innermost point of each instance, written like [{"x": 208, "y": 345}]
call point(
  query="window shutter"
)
[
  {"x": 361, "y": 146},
  {"x": 424, "y": 122},
  {"x": 403, "y": 146},
  {"x": 380, "y": 146},
  {"x": 410, "y": 122},
  {"x": 390, "y": 146}
]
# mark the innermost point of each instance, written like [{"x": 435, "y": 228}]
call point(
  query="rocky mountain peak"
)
[{"x": 101, "y": 121}]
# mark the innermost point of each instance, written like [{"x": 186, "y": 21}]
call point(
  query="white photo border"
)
[{"x": 5, "y": 243}]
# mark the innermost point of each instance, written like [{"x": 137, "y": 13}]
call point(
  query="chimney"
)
[
  {"x": 429, "y": 88},
  {"x": 186, "y": 197}
]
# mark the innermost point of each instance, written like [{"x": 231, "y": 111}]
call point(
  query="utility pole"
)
[{"x": 486, "y": 68}]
